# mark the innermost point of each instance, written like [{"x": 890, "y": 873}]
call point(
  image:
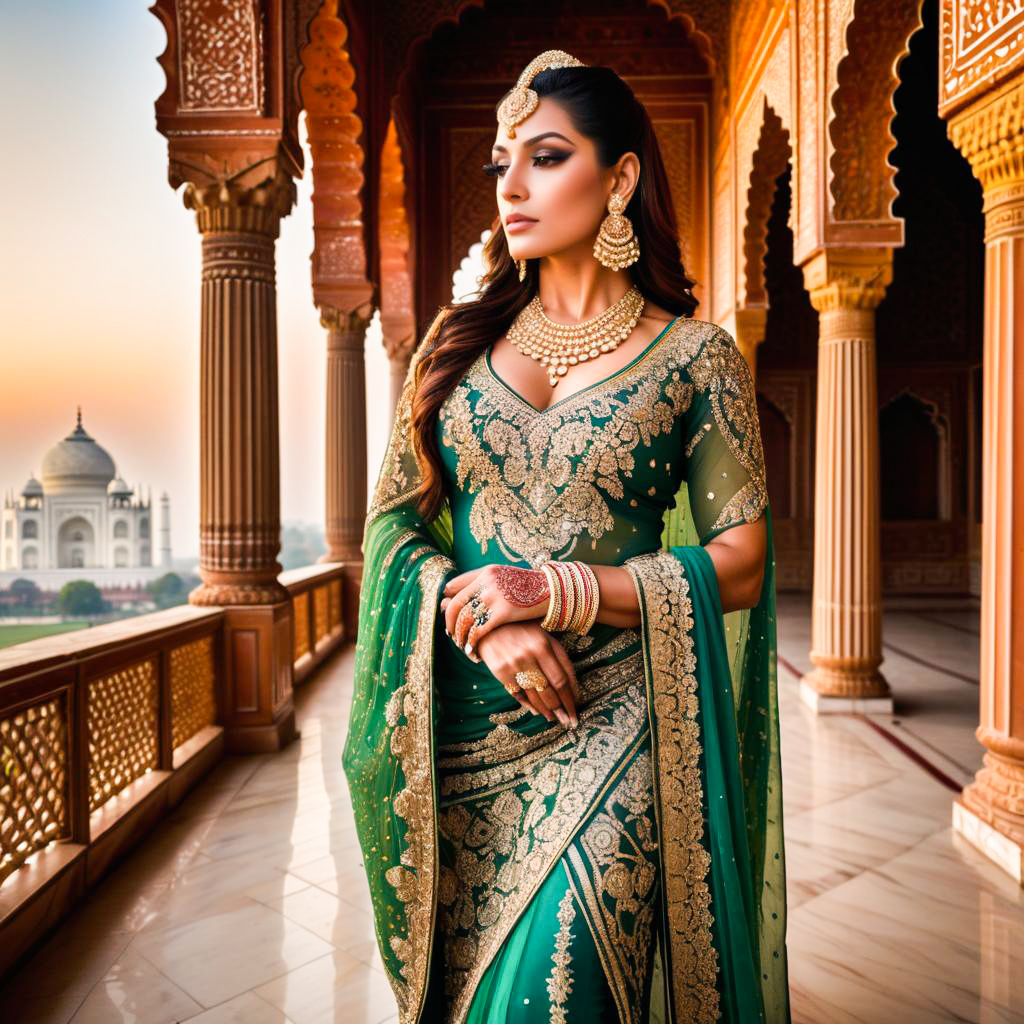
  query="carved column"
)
[
  {"x": 239, "y": 515},
  {"x": 846, "y": 626},
  {"x": 399, "y": 345},
  {"x": 750, "y": 333},
  {"x": 346, "y": 434},
  {"x": 990, "y": 812}
]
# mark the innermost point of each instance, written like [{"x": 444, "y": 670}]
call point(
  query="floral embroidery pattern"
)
[
  {"x": 543, "y": 478},
  {"x": 560, "y": 982},
  {"x": 615, "y": 867},
  {"x": 505, "y": 838}
]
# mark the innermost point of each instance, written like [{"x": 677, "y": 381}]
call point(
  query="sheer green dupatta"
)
[
  {"x": 714, "y": 722},
  {"x": 388, "y": 756}
]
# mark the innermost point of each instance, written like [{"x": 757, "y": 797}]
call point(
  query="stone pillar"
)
[
  {"x": 750, "y": 333},
  {"x": 399, "y": 364},
  {"x": 239, "y": 515},
  {"x": 346, "y": 434},
  {"x": 846, "y": 286},
  {"x": 990, "y": 812}
]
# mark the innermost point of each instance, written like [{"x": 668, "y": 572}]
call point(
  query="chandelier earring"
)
[
  {"x": 521, "y": 264},
  {"x": 616, "y": 246}
]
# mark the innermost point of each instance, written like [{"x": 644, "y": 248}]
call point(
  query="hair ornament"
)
[{"x": 522, "y": 101}]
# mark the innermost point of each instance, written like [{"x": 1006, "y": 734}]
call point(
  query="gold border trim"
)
[
  {"x": 666, "y": 612},
  {"x": 415, "y": 879}
]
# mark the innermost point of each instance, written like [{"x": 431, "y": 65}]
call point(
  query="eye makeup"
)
[{"x": 496, "y": 170}]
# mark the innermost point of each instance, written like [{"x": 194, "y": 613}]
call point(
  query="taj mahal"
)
[{"x": 81, "y": 521}]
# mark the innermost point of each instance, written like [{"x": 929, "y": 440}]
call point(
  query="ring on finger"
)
[
  {"x": 532, "y": 679},
  {"x": 512, "y": 688}
]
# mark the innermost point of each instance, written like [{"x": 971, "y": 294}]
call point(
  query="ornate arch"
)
[
  {"x": 329, "y": 99},
  {"x": 771, "y": 155},
  {"x": 876, "y": 39},
  {"x": 398, "y": 320}
]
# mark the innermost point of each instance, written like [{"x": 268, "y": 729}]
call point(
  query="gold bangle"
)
[
  {"x": 554, "y": 599},
  {"x": 579, "y": 597},
  {"x": 595, "y": 597},
  {"x": 570, "y": 595}
]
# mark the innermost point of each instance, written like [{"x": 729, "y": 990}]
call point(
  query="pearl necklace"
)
[{"x": 559, "y": 346}]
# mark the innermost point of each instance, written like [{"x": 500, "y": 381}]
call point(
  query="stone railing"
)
[
  {"x": 316, "y": 611},
  {"x": 104, "y": 730}
]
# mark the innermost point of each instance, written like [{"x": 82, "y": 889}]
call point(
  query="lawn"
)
[{"x": 10, "y": 635}]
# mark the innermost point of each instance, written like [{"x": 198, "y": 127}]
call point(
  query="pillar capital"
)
[
  {"x": 990, "y": 135},
  {"x": 347, "y": 322},
  {"x": 848, "y": 279},
  {"x": 251, "y": 202}
]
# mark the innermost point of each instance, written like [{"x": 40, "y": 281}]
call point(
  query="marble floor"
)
[{"x": 249, "y": 904}]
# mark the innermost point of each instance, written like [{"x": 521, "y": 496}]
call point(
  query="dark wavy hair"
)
[{"x": 603, "y": 108}]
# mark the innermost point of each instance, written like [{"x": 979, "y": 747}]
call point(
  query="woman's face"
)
[{"x": 550, "y": 174}]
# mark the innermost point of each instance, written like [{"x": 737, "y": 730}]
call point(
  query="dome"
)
[
  {"x": 77, "y": 463},
  {"x": 32, "y": 489},
  {"x": 119, "y": 488}
]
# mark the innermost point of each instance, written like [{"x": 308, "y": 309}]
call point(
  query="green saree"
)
[{"x": 630, "y": 869}]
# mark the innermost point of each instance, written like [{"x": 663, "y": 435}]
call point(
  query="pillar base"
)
[
  {"x": 1001, "y": 849},
  {"x": 209, "y": 594},
  {"x": 257, "y": 706},
  {"x": 824, "y": 704},
  {"x": 262, "y": 739}
]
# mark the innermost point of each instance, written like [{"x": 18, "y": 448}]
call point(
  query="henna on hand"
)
[{"x": 522, "y": 587}]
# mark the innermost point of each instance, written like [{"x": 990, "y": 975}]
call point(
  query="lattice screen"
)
[
  {"x": 33, "y": 774},
  {"x": 320, "y": 616},
  {"x": 334, "y": 590},
  {"x": 300, "y": 611},
  {"x": 193, "y": 703},
  {"x": 122, "y": 729}
]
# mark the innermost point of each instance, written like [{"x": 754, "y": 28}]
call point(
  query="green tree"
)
[
  {"x": 80, "y": 597},
  {"x": 26, "y": 592},
  {"x": 167, "y": 591}
]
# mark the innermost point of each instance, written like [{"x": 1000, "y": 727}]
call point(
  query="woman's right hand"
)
[{"x": 518, "y": 646}]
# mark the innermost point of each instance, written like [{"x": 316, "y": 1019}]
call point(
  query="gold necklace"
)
[{"x": 559, "y": 346}]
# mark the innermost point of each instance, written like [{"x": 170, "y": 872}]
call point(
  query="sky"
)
[{"x": 100, "y": 271}]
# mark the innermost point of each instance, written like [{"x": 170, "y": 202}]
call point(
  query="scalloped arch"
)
[
  {"x": 771, "y": 155},
  {"x": 861, "y": 179}
]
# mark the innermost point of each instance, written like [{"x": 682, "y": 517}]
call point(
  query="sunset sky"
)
[{"x": 100, "y": 264}]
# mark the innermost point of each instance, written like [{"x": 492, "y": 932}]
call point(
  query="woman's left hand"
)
[{"x": 510, "y": 594}]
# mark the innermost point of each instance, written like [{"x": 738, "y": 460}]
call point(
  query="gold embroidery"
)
[
  {"x": 560, "y": 981},
  {"x": 399, "y": 472},
  {"x": 720, "y": 369},
  {"x": 415, "y": 878},
  {"x": 505, "y": 842},
  {"x": 602, "y": 942},
  {"x": 544, "y": 478},
  {"x": 622, "y": 873},
  {"x": 509, "y": 754},
  {"x": 616, "y": 645},
  {"x": 663, "y": 592}
]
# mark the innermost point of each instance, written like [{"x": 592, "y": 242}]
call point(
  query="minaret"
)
[{"x": 165, "y": 531}]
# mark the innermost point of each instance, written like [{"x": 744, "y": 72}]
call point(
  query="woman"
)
[{"x": 563, "y": 760}]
